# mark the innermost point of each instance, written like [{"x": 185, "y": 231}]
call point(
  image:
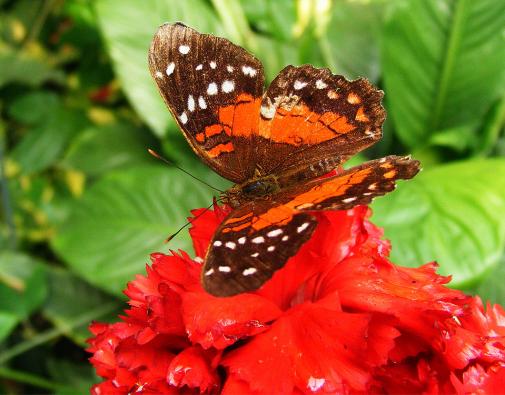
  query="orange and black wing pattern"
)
[
  {"x": 213, "y": 89},
  {"x": 259, "y": 237},
  {"x": 308, "y": 114}
]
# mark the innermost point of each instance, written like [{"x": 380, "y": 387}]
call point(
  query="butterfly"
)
[{"x": 274, "y": 144}]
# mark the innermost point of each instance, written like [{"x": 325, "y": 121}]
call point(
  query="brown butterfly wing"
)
[
  {"x": 213, "y": 89},
  {"x": 308, "y": 115},
  {"x": 259, "y": 237}
]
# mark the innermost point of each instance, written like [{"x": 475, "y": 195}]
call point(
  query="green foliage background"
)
[{"x": 83, "y": 204}]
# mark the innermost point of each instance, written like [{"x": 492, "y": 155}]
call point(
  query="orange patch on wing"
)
[
  {"x": 333, "y": 187},
  {"x": 241, "y": 116},
  {"x": 360, "y": 115},
  {"x": 238, "y": 219},
  {"x": 212, "y": 130},
  {"x": 390, "y": 174},
  {"x": 200, "y": 137},
  {"x": 342, "y": 126},
  {"x": 237, "y": 228},
  {"x": 219, "y": 149},
  {"x": 300, "y": 125}
]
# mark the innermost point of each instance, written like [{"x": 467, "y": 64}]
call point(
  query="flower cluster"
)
[{"x": 338, "y": 318}]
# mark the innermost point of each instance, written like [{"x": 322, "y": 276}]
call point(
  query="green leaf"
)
[
  {"x": 350, "y": 43},
  {"x": 44, "y": 144},
  {"x": 65, "y": 304},
  {"x": 23, "y": 285},
  {"x": 25, "y": 68},
  {"x": 78, "y": 377},
  {"x": 452, "y": 214},
  {"x": 8, "y": 322},
  {"x": 492, "y": 288},
  {"x": 34, "y": 107},
  {"x": 123, "y": 218},
  {"x": 128, "y": 47},
  {"x": 100, "y": 149},
  {"x": 443, "y": 63},
  {"x": 273, "y": 18}
]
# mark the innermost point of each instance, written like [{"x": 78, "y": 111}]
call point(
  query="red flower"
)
[{"x": 338, "y": 318}]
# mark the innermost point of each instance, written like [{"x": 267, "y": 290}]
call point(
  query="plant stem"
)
[
  {"x": 51, "y": 334},
  {"x": 235, "y": 22},
  {"x": 6, "y": 199},
  {"x": 39, "y": 21},
  {"x": 32, "y": 379},
  {"x": 448, "y": 62}
]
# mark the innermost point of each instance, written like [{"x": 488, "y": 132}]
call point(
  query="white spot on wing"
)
[
  {"x": 199, "y": 67},
  {"x": 258, "y": 240},
  {"x": 373, "y": 186},
  {"x": 302, "y": 227},
  {"x": 242, "y": 240},
  {"x": 228, "y": 86},
  {"x": 209, "y": 272},
  {"x": 159, "y": 74},
  {"x": 183, "y": 118},
  {"x": 274, "y": 233},
  {"x": 198, "y": 259},
  {"x": 212, "y": 88},
  {"x": 248, "y": 272},
  {"x": 217, "y": 243},
  {"x": 271, "y": 248},
  {"x": 230, "y": 244},
  {"x": 201, "y": 103},
  {"x": 255, "y": 255},
  {"x": 349, "y": 199},
  {"x": 212, "y": 65},
  {"x": 224, "y": 269},
  {"x": 230, "y": 68},
  {"x": 191, "y": 103},
  {"x": 284, "y": 238},
  {"x": 184, "y": 49},
  {"x": 320, "y": 84},
  {"x": 170, "y": 68},
  {"x": 299, "y": 85},
  {"x": 268, "y": 112},
  {"x": 248, "y": 70}
]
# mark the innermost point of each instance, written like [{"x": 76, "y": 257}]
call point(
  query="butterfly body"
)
[{"x": 274, "y": 144}]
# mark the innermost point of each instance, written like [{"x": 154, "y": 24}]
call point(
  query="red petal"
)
[
  {"x": 233, "y": 386},
  {"x": 220, "y": 322},
  {"x": 312, "y": 348},
  {"x": 336, "y": 235},
  {"x": 204, "y": 227},
  {"x": 191, "y": 368},
  {"x": 416, "y": 297}
]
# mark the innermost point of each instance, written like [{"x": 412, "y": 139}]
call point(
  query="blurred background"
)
[{"x": 83, "y": 204}]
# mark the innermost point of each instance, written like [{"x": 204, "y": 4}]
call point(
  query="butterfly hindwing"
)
[
  {"x": 308, "y": 114},
  {"x": 352, "y": 187},
  {"x": 259, "y": 237},
  {"x": 213, "y": 89},
  {"x": 246, "y": 252}
]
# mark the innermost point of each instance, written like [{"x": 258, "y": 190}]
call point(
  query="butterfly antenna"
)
[
  {"x": 190, "y": 222},
  {"x": 169, "y": 162}
]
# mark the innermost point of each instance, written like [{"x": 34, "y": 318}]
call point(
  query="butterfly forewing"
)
[{"x": 213, "y": 89}]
